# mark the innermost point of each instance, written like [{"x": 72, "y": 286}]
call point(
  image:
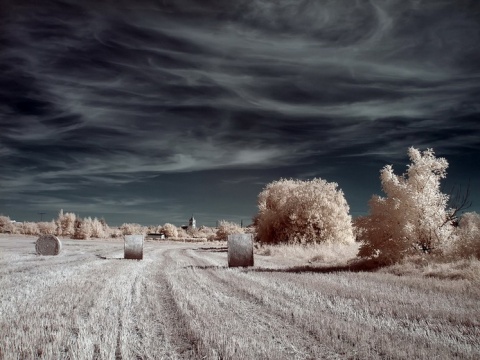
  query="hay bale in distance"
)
[
  {"x": 240, "y": 250},
  {"x": 48, "y": 245},
  {"x": 133, "y": 247}
]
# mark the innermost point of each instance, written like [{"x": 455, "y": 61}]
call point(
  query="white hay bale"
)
[
  {"x": 48, "y": 245},
  {"x": 133, "y": 247},
  {"x": 240, "y": 250}
]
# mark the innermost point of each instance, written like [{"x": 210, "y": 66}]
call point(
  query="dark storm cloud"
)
[{"x": 112, "y": 92}]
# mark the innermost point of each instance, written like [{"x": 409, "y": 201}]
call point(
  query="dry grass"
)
[
  {"x": 85, "y": 303},
  {"x": 322, "y": 253},
  {"x": 465, "y": 269},
  {"x": 183, "y": 302}
]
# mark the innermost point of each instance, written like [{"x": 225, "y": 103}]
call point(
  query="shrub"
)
[
  {"x": 170, "y": 230},
  {"x": 47, "y": 228},
  {"x": 6, "y": 225},
  {"x": 182, "y": 233},
  {"x": 115, "y": 233},
  {"x": 226, "y": 228},
  {"x": 65, "y": 224},
  {"x": 202, "y": 232},
  {"x": 28, "y": 228},
  {"x": 413, "y": 217},
  {"x": 132, "y": 229},
  {"x": 155, "y": 229},
  {"x": 467, "y": 243},
  {"x": 100, "y": 228},
  {"x": 295, "y": 211},
  {"x": 205, "y": 232},
  {"x": 83, "y": 228},
  {"x": 193, "y": 232},
  {"x": 106, "y": 229}
]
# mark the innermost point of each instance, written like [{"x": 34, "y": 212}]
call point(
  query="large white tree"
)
[
  {"x": 297, "y": 211},
  {"x": 413, "y": 216}
]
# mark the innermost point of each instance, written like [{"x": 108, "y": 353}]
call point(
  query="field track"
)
[{"x": 182, "y": 302}]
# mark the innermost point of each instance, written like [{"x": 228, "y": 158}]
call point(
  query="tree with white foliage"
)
[
  {"x": 226, "y": 228},
  {"x": 65, "y": 223},
  {"x": 170, "y": 230},
  {"x": 6, "y": 225},
  {"x": 468, "y": 240},
  {"x": 413, "y": 217},
  {"x": 296, "y": 211}
]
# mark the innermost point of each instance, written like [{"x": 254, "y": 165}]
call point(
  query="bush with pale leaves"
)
[
  {"x": 467, "y": 243},
  {"x": 226, "y": 228},
  {"x": 83, "y": 228},
  {"x": 170, "y": 230},
  {"x": 296, "y": 211},
  {"x": 66, "y": 224},
  {"x": 182, "y": 233},
  {"x": 115, "y": 233},
  {"x": 28, "y": 228},
  {"x": 413, "y": 217},
  {"x": 47, "y": 227},
  {"x": 205, "y": 232},
  {"x": 154, "y": 229},
  {"x": 6, "y": 225},
  {"x": 100, "y": 229},
  {"x": 133, "y": 229}
]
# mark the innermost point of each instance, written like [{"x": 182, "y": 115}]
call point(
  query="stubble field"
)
[{"x": 182, "y": 302}]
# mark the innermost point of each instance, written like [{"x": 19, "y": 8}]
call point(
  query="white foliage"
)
[
  {"x": 47, "y": 227},
  {"x": 297, "y": 211},
  {"x": 5, "y": 224},
  {"x": 413, "y": 216},
  {"x": 28, "y": 228},
  {"x": 65, "y": 224},
  {"x": 170, "y": 230},
  {"x": 468, "y": 241},
  {"x": 99, "y": 229},
  {"x": 84, "y": 228},
  {"x": 133, "y": 229},
  {"x": 226, "y": 228}
]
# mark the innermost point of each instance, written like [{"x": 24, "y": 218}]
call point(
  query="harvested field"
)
[{"x": 183, "y": 302}]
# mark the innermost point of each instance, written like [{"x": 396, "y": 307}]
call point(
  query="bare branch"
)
[{"x": 459, "y": 200}]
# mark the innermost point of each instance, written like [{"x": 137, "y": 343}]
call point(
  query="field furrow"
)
[{"x": 183, "y": 302}]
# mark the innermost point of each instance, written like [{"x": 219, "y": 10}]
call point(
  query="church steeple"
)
[{"x": 192, "y": 223}]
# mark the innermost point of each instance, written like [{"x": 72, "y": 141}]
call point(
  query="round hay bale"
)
[
  {"x": 133, "y": 247},
  {"x": 240, "y": 250},
  {"x": 48, "y": 245}
]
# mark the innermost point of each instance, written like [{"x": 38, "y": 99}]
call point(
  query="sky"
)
[{"x": 150, "y": 111}]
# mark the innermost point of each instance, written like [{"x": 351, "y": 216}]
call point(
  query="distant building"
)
[
  {"x": 192, "y": 223},
  {"x": 156, "y": 236}
]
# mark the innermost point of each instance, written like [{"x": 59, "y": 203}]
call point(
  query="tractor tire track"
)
[
  {"x": 225, "y": 294},
  {"x": 183, "y": 302},
  {"x": 176, "y": 326},
  {"x": 283, "y": 295}
]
